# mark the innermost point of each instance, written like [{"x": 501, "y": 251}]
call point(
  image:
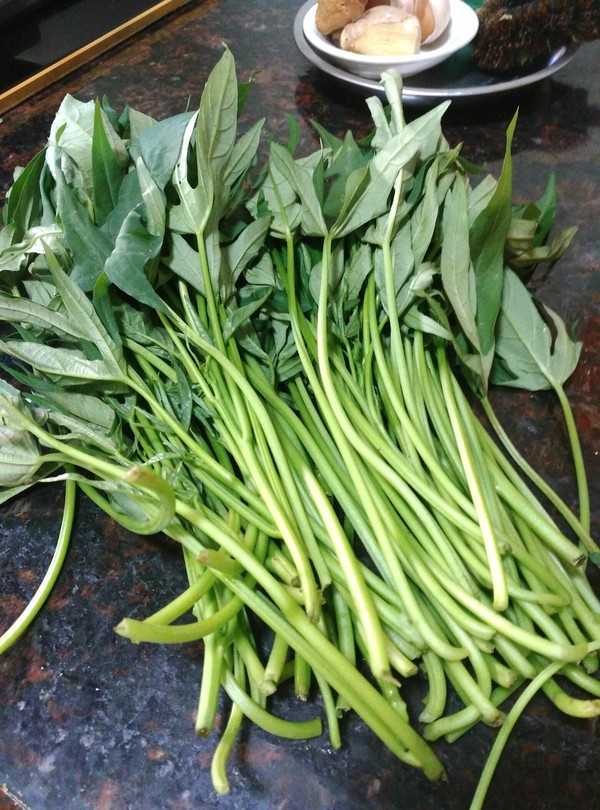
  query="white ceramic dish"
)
[{"x": 460, "y": 31}]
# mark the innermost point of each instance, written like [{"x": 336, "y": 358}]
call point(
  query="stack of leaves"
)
[{"x": 275, "y": 365}]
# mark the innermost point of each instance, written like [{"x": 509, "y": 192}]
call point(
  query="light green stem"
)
[
  {"x": 18, "y": 627},
  {"x": 580, "y": 473},
  {"x": 505, "y": 731}
]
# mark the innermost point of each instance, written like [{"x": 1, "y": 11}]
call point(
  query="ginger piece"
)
[{"x": 335, "y": 14}]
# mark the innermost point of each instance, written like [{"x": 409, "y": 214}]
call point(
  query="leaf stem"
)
[
  {"x": 18, "y": 627},
  {"x": 580, "y": 473}
]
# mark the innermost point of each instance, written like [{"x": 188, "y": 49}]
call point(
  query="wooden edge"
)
[{"x": 57, "y": 70}]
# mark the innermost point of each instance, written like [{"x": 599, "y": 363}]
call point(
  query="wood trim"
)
[{"x": 57, "y": 70}]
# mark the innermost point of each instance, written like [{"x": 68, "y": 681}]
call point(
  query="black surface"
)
[
  {"x": 38, "y": 36},
  {"x": 11, "y": 10}
]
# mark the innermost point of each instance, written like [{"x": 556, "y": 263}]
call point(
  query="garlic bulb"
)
[
  {"x": 382, "y": 31},
  {"x": 433, "y": 15}
]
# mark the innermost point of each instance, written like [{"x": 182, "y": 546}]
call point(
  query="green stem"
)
[
  {"x": 284, "y": 511},
  {"x": 287, "y": 618},
  {"x": 360, "y": 594},
  {"x": 209, "y": 293},
  {"x": 212, "y": 667},
  {"x": 435, "y": 700},
  {"x": 138, "y": 631},
  {"x": 581, "y": 531},
  {"x": 499, "y": 589},
  {"x": 580, "y": 473},
  {"x": 331, "y": 711},
  {"x": 18, "y": 627},
  {"x": 275, "y": 665},
  {"x": 218, "y": 767},
  {"x": 288, "y": 729},
  {"x": 185, "y": 601},
  {"x": 505, "y": 731}
]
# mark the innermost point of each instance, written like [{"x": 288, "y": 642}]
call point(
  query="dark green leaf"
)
[
  {"x": 105, "y": 309},
  {"x": 247, "y": 245},
  {"x": 106, "y": 170},
  {"x": 23, "y": 203},
  {"x": 457, "y": 274},
  {"x": 237, "y": 317},
  {"x": 184, "y": 261},
  {"x": 244, "y": 91},
  {"x": 487, "y": 239},
  {"x": 243, "y": 155},
  {"x": 347, "y": 159},
  {"x": 89, "y": 245}
]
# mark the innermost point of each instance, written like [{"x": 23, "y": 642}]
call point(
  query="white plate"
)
[
  {"x": 461, "y": 30},
  {"x": 456, "y": 79}
]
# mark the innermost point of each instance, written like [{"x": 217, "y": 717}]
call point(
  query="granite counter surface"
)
[{"x": 89, "y": 721}]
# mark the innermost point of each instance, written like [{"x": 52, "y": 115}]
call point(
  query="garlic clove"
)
[
  {"x": 440, "y": 10},
  {"x": 433, "y": 15}
]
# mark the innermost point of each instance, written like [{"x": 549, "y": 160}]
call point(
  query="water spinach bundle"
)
[{"x": 275, "y": 363}]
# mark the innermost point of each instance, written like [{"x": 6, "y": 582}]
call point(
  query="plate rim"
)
[{"x": 560, "y": 58}]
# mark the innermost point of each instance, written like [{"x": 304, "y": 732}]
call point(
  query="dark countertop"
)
[{"x": 88, "y": 720}]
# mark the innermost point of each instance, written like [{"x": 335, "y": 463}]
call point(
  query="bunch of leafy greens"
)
[{"x": 260, "y": 362}]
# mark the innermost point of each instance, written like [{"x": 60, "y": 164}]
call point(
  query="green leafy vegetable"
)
[{"x": 267, "y": 365}]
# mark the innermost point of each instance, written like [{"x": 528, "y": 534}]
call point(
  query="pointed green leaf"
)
[
  {"x": 243, "y": 154},
  {"x": 72, "y": 131},
  {"x": 105, "y": 309},
  {"x": 480, "y": 196},
  {"x": 239, "y": 316},
  {"x": 246, "y": 246},
  {"x": 83, "y": 407},
  {"x": 537, "y": 353},
  {"x": 81, "y": 310},
  {"x": 262, "y": 273},
  {"x": 488, "y": 237},
  {"x": 70, "y": 364},
  {"x": 23, "y": 202},
  {"x": 192, "y": 212},
  {"x": 216, "y": 131},
  {"x": 356, "y": 272},
  {"x": 13, "y": 256},
  {"x": 457, "y": 274},
  {"x": 424, "y": 217},
  {"x": 281, "y": 201},
  {"x": 23, "y": 311},
  {"x": 299, "y": 179},
  {"x": 107, "y": 173},
  {"x": 89, "y": 245},
  {"x": 154, "y": 200},
  {"x": 126, "y": 265}
]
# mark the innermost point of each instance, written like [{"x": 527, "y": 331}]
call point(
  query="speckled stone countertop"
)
[{"x": 91, "y": 722}]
